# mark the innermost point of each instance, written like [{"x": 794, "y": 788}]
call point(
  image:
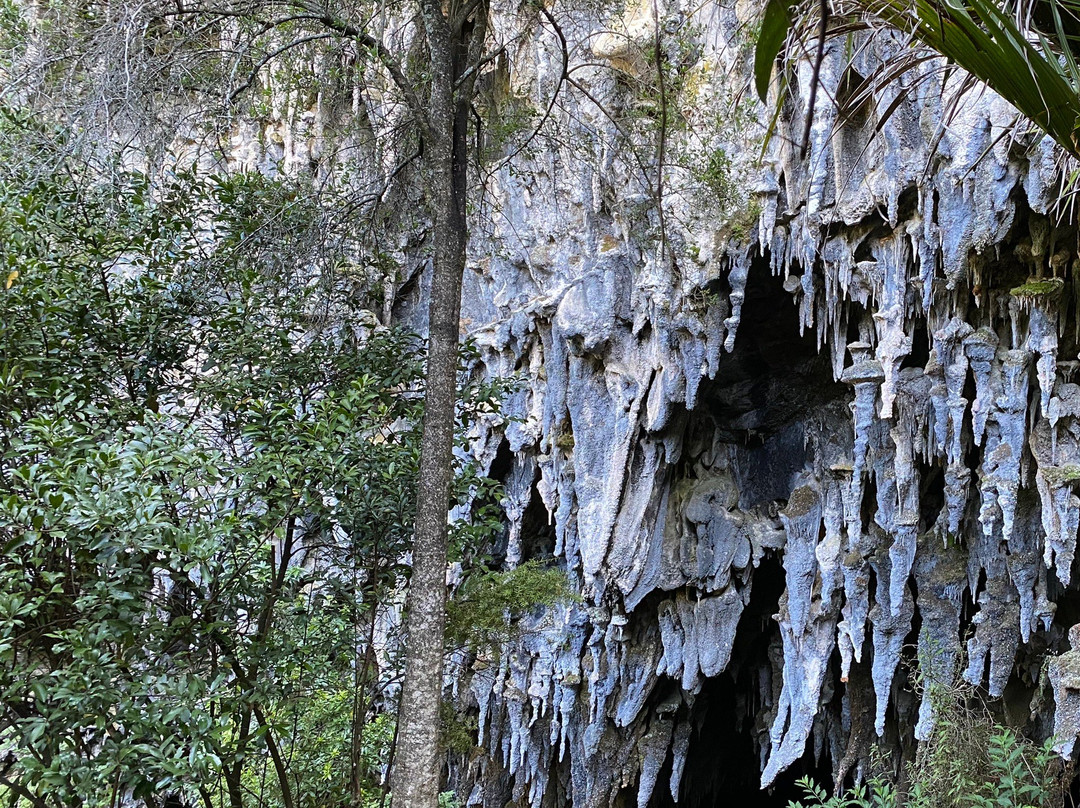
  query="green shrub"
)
[
  {"x": 969, "y": 761},
  {"x": 208, "y": 465},
  {"x": 483, "y": 611}
]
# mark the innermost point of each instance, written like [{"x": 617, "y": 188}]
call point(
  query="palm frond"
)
[
  {"x": 1033, "y": 71},
  {"x": 1025, "y": 52}
]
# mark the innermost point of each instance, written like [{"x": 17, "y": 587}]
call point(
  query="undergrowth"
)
[{"x": 970, "y": 760}]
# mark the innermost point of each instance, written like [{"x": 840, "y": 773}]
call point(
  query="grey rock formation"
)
[{"x": 778, "y": 459}]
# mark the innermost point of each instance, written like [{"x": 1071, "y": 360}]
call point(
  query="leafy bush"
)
[
  {"x": 483, "y": 610},
  {"x": 208, "y": 461},
  {"x": 878, "y": 794},
  {"x": 969, "y": 761}
]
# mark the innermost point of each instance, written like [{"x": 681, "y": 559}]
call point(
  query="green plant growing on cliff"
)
[
  {"x": 877, "y": 793},
  {"x": 703, "y": 299},
  {"x": 675, "y": 120},
  {"x": 483, "y": 611},
  {"x": 970, "y": 760},
  {"x": 507, "y": 122},
  {"x": 743, "y": 220}
]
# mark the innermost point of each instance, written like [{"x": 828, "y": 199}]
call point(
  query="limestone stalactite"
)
[{"x": 850, "y": 431}]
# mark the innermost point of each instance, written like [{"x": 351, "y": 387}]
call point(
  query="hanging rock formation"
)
[{"x": 783, "y": 461}]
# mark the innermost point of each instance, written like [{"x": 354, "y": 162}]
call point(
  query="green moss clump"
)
[
  {"x": 485, "y": 609},
  {"x": 1060, "y": 475},
  {"x": 565, "y": 441},
  {"x": 458, "y": 732},
  {"x": 1044, "y": 287}
]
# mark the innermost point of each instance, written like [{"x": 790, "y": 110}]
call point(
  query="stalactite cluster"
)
[{"x": 855, "y": 457}]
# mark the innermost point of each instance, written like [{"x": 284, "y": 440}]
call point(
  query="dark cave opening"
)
[
  {"x": 931, "y": 493},
  {"x": 502, "y": 462},
  {"x": 723, "y": 765},
  {"x": 919, "y": 354},
  {"x": 774, "y": 373},
  {"x": 757, "y": 400},
  {"x": 537, "y": 529}
]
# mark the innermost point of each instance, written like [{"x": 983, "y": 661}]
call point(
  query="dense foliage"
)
[
  {"x": 208, "y": 455},
  {"x": 207, "y": 486}
]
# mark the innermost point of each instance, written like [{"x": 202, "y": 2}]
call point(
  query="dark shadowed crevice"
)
[
  {"x": 723, "y": 765},
  {"x": 774, "y": 374},
  {"x": 537, "y": 528},
  {"x": 504, "y": 459},
  {"x": 920, "y": 345}
]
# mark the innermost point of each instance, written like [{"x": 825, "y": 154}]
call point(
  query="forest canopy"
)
[{"x": 207, "y": 485}]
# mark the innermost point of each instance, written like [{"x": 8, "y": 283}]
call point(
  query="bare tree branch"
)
[{"x": 254, "y": 73}]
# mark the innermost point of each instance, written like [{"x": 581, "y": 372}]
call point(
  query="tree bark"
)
[{"x": 453, "y": 45}]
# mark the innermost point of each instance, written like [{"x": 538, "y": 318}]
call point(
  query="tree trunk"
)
[
  {"x": 417, "y": 769},
  {"x": 362, "y": 674}
]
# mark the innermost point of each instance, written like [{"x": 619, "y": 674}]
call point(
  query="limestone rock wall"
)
[{"x": 786, "y": 445}]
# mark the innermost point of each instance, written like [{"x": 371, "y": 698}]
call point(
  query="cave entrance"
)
[
  {"x": 774, "y": 374},
  {"x": 723, "y": 767}
]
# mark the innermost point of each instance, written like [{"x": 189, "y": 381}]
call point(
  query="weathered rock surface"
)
[{"x": 781, "y": 443}]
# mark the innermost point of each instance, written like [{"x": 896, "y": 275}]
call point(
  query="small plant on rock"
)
[{"x": 969, "y": 761}]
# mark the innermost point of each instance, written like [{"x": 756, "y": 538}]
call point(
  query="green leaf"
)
[
  {"x": 774, "y": 30},
  {"x": 1023, "y": 66}
]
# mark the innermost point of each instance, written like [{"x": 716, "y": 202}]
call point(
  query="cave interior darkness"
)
[
  {"x": 722, "y": 765},
  {"x": 773, "y": 376}
]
